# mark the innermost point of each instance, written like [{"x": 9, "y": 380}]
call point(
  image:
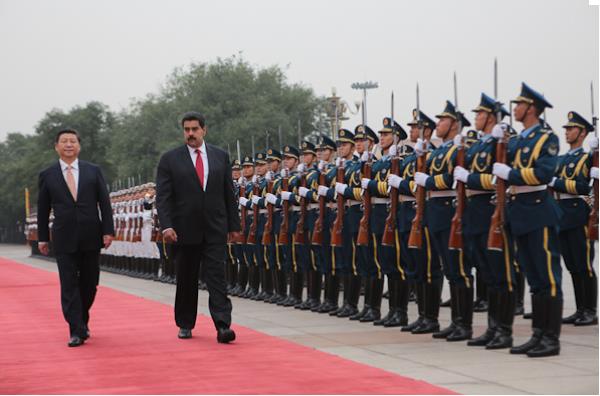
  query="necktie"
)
[
  {"x": 200, "y": 168},
  {"x": 71, "y": 182}
]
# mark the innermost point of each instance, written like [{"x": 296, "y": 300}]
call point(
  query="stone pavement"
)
[{"x": 454, "y": 366}]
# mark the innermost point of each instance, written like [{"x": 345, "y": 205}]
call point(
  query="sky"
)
[{"x": 63, "y": 53}]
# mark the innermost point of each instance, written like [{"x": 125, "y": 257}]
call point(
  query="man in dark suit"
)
[
  {"x": 74, "y": 190},
  {"x": 197, "y": 209}
]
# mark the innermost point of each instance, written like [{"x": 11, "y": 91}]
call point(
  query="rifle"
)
[
  {"x": 456, "y": 235},
  {"x": 285, "y": 221},
  {"x": 317, "y": 237},
  {"x": 267, "y": 238},
  {"x": 415, "y": 239},
  {"x": 243, "y": 211},
  {"x": 389, "y": 232},
  {"x": 300, "y": 235},
  {"x": 593, "y": 219},
  {"x": 336, "y": 230},
  {"x": 251, "y": 240},
  {"x": 363, "y": 226},
  {"x": 495, "y": 236}
]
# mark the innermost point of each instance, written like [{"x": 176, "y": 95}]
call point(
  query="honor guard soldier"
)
[
  {"x": 247, "y": 272},
  {"x": 570, "y": 184},
  {"x": 440, "y": 210},
  {"x": 231, "y": 263},
  {"x": 533, "y": 216},
  {"x": 494, "y": 267},
  {"x": 309, "y": 182},
  {"x": 387, "y": 258}
]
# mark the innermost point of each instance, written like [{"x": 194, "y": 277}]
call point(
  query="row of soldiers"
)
[{"x": 414, "y": 213}]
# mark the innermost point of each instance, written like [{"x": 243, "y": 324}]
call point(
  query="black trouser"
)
[
  {"x": 79, "y": 273},
  {"x": 187, "y": 260}
]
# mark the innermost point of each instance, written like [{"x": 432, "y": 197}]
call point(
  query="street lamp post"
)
[{"x": 364, "y": 86}]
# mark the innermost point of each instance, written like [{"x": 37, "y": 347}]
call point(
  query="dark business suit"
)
[
  {"x": 76, "y": 235},
  {"x": 201, "y": 220}
]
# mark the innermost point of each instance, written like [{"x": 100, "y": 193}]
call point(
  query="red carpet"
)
[{"x": 134, "y": 350}]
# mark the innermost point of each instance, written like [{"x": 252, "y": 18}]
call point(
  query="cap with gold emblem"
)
[
  {"x": 235, "y": 165},
  {"x": 308, "y": 148},
  {"x": 261, "y": 158},
  {"x": 273, "y": 155},
  {"x": 450, "y": 111},
  {"x": 291, "y": 151},
  {"x": 345, "y": 136},
  {"x": 528, "y": 95},
  {"x": 488, "y": 105},
  {"x": 362, "y": 132},
  {"x": 427, "y": 122},
  {"x": 396, "y": 128},
  {"x": 575, "y": 120},
  {"x": 247, "y": 161},
  {"x": 326, "y": 143}
]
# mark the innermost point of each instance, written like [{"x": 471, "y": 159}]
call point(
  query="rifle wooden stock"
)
[
  {"x": 495, "y": 236},
  {"x": 252, "y": 232},
  {"x": 267, "y": 237},
  {"x": 456, "y": 235},
  {"x": 243, "y": 216},
  {"x": 300, "y": 234},
  {"x": 415, "y": 239},
  {"x": 389, "y": 232},
  {"x": 593, "y": 219},
  {"x": 363, "y": 226},
  {"x": 317, "y": 237},
  {"x": 336, "y": 230},
  {"x": 285, "y": 221}
]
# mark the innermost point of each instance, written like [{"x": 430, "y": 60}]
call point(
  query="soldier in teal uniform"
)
[
  {"x": 346, "y": 256},
  {"x": 440, "y": 210},
  {"x": 231, "y": 263},
  {"x": 494, "y": 268},
  {"x": 570, "y": 184},
  {"x": 533, "y": 216}
]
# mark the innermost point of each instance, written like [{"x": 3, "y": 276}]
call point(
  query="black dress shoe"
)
[
  {"x": 444, "y": 332},
  {"x": 185, "y": 333},
  {"x": 413, "y": 325},
  {"x": 483, "y": 339},
  {"x": 372, "y": 315},
  {"x": 86, "y": 333},
  {"x": 588, "y": 318},
  {"x": 75, "y": 341},
  {"x": 400, "y": 318},
  {"x": 480, "y": 306},
  {"x": 427, "y": 326},
  {"x": 225, "y": 336}
]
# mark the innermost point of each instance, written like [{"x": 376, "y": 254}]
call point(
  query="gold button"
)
[{"x": 538, "y": 200}]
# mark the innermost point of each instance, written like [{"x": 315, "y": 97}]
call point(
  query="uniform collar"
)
[
  {"x": 525, "y": 133},
  {"x": 447, "y": 144},
  {"x": 574, "y": 151},
  {"x": 486, "y": 137}
]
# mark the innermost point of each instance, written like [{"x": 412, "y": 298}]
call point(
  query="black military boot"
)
[
  {"x": 430, "y": 322},
  {"x": 464, "y": 323},
  {"x": 489, "y": 333},
  {"x": 346, "y": 287},
  {"x": 279, "y": 294},
  {"x": 579, "y": 289},
  {"x": 400, "y": 317},
  {"x": 296, "y": 287},
  {"x": 392, "y": 298},
  {"x": 353, "y": 294},
  {"x": 374, "y": 312},
  {"x": 505, "y": 314},
  {"x": 367, "y": 301},
  {"x": 269, "y": 283},
  {"x": 254, "y": 279},
  {"x": 309, "y": 286},
  {"x": 520, "y": 284},
  {"x": 537, "y": 326},
  {"x": 445, "y": 332},
  {"x": 317, "y": 287},
  {"x": 549, "y": 344},
  {"x": 332, "y": 291},
  {"x": 589, "y": 316},
  {"x": 419, "y": 288},
  {"x": 242, "y": 280},
  {"x": 481, "y": 302}
]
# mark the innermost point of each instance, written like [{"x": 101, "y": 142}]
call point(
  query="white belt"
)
[
  {"x": 332, "y": 205},
  {"x": 569, "y": 196},
  {"x": 296, "y": 208},
  {"x": 313, "y": 206},
  {"x": 406, "y": 198},
  {"x": 442, "y": 194},
  {"x": 378, "y": 200},
  {"x": 525, "y": 189},
  {"x": 352, "y": 202},
  {"x": 262, "y": 211},
  {"x": 470, "y": 192}
]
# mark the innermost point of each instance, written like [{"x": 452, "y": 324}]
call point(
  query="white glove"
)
[
  {"x": 339, "y": 161},
  {"x": 340, "y": 188},
  {"x": 301, "y": 167},
  {"x": 255, "y": 199},
  {"x": 243, "y": 201},
  {"x": 394, "y": 180},
  {"x": 421, "y": 178},
  {"x": 271, "y": 198},
  {"x": 594, "y": 172},
  {"x": 461, "y": 174},
  {"x": 254, "y": 178},
  {"x": 393, "y": 151},
  {"x": 365, "y": 156},
  {"x": 269, "y": 176},
  {"x": 303, "y": 191},
  {"x": 322, "y": 191},
  {"x": 364, "y": 183},
  {"x": 420, "y": 147},
  {"x": 284, "y": 172},
  {"x": 321, "y": 165},
  {"x": 551, "y": 184},
  {"x": 285, "y": 195},
  {"x": 499, "y": 130},
  {"x": 241, "y": 181},
  {"x": 501, "y": 170},
  {"x": 458, "y": 140},
  {"x": 594, "y": 143}
]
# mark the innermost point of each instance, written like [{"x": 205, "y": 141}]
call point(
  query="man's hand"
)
[
  {"x": 107, "y": 240},
  {"x": 501, "y": 170},
  {"x": 169, "y": 235},
  {"x": 421, "y": 178},
  {"x": 43, "y": 248}
]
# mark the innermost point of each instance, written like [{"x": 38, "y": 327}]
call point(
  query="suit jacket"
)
[
  {"x": 196, "y": 215},
  {"x": 77, "y": 225}
]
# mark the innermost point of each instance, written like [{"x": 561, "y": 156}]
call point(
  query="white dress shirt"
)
[
  {"x": 194, "y": 156},
  {"x": 74, "y": 171}
]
